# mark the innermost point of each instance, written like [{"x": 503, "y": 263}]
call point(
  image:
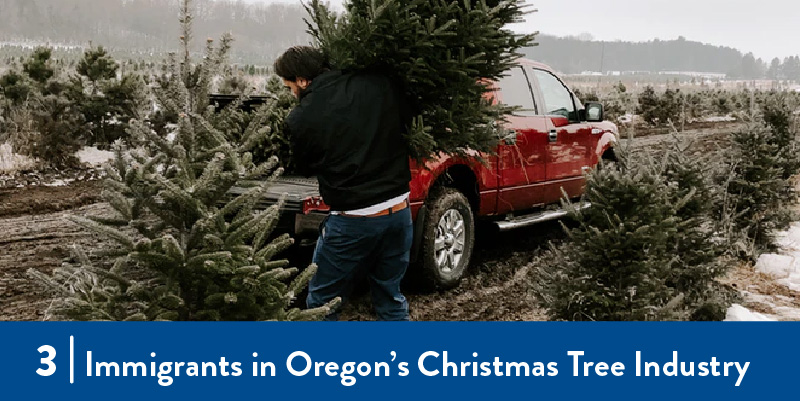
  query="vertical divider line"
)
[{"x": 71, "y": 359}]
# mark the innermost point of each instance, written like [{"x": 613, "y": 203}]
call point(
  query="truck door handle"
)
[{"x": 553, "y": 135}]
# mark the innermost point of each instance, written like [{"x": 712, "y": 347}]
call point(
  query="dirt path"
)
[
  {"x": 38, "y": 242},
  {"x": 43, "y": 199},
  {"x": 496, "y": 287}
]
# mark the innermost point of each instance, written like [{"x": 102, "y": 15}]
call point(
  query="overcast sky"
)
[{"x": 768, "y": 28}]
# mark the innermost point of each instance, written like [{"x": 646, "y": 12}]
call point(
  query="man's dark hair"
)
[{"x": 301, "y": 61}]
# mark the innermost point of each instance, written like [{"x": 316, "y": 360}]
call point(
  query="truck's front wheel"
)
[{"x": 448, "y": 238}]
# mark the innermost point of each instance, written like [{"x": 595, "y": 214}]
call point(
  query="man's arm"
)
[{"x": 304, "y": 153}]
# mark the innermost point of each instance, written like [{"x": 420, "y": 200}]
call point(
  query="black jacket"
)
[{"x": 348, "y": 131}]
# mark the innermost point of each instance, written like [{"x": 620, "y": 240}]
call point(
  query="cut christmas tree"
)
[{"x": 439, "y": 51}]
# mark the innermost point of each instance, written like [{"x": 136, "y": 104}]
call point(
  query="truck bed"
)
[{"x": 291, "y": 221}]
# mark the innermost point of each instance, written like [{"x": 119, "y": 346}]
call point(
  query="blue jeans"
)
[{"x": 350, "y": 247}]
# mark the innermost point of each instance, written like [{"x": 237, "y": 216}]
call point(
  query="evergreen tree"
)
[
  {"x": 617, "y": 103},
  {"x": 644, "y": 250},
  {"x": 701, "y": 260},
  {"x": 15, "y": 87},
  {"x": 54, "y": 123},
  {"x": 187, "y": 250},
  {"x": 97, "y": 66},
  {"x": 778, "y": 109},
  {"x": 670, "y": 106},
  {"x": 233, "y": 83},
  {"x": 438, "y": 51},
  {"x": 759, "y": 188},
  {"x": 277, "y": 109},
  {"x": 38, "y": 66},
  {"x": 107, "y": 103},
  {"x": 774, "y": 71},
  {"x": 649, "y": 105},
  {"x": 726, "y": 103}
]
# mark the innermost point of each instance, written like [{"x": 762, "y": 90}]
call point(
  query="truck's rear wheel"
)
[{"x": 448, "y": 238}]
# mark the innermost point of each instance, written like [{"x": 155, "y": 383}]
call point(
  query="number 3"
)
[{"x": 51, "y": 367}]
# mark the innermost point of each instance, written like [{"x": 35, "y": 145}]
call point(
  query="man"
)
[{"x": 348, "y": 131}]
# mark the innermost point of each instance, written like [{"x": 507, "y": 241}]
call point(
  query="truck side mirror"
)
[{"x": 594, "y": 112}]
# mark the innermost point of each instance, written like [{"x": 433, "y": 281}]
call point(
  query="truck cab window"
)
[
  {"x": 557, "y": 98},
  {"x": 516, "y": 92}
]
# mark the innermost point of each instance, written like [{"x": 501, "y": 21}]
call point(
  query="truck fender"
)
[
  {"x": 419, "y": 227},
  {"x": 608, "y": 140}
]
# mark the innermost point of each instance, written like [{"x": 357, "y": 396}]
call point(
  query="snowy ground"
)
[
  {"x": 93, "y": 157},
  {"x": 21, "y": 171},
  {"x": 11, "y": 162},
  {"x": 773, "y": 285}
]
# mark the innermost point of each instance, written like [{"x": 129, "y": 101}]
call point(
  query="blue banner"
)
[{"x": 390, "y": 361}]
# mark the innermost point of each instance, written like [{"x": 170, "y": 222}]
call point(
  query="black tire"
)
[
  {"x": 441, "y": 202},
  {"x": 610, "y": 156}
]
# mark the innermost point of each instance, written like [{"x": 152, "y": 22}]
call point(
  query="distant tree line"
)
[
  {"x": 572, "y": 55},
  {"x": 143, "y": 29},
  {"x": 789, "y": 69},
  {"x": 146, "y": 26}
]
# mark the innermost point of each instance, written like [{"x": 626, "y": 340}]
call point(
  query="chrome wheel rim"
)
[{"x": 449, "y": 241}]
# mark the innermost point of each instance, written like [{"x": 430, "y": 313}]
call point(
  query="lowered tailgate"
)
[{"x": 292, "y": 219}]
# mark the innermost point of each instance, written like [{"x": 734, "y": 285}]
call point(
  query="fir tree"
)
[
  {"x": 671, "y": 106},
  {"x": 777, "y": 110},
  {"x": 644, "y": 250},
  {"x": 701, "y": 259},
  {"x": 233, "y": 83},
  {"x": 39, "y": 65},
  {"x": 97, "y": 66},
  {"x": 54, "y": 123},
  {"x": 759, "y": 188},
  {"x": 618, "y": 103},
  {"x": 438, "y": 51},
  {"x": 186, "y": 249},
  {"x": 14, "y": 87},
  {"x": 107, "y": 103},
  {"x": 277, "y": 109},
  {"x": 649, "y": 106}
]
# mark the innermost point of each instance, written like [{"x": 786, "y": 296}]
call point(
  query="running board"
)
[{"x": 535, "y": 218}]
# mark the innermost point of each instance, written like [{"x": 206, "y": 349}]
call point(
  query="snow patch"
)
[
  {"x": 788, "y": 274},
  {"x": 788, "y": 313},
  {"x": 627, "y": 118},
  {"x": 59, "y": 182},
  {"x": 11, "y": 162},
  {"x": 790, "y": 240},
  {"x": 785, "y": 270},
  {"x": 780, "y": 266},
  {"x": 793, "y": 282},
  {"x": 718, "y": 119},
  {"x": 94, "y": 157},
  {"x": 738, "y": 313}
]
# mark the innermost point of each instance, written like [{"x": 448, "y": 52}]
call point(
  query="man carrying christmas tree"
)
[{"x": 348, "y": 130}]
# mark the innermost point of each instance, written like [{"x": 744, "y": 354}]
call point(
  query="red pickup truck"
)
[{"x": 546, "y": 146}]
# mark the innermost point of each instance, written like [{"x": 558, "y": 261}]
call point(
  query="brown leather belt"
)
[{"x": 385, "y": 212}]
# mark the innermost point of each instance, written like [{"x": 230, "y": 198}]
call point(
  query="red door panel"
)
[
  {"x": 570, "y": 142},
  {"x": 570, "y": 153},
  {"x": 522, "y": 155},
  {"x": 523, "y": 165}
]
